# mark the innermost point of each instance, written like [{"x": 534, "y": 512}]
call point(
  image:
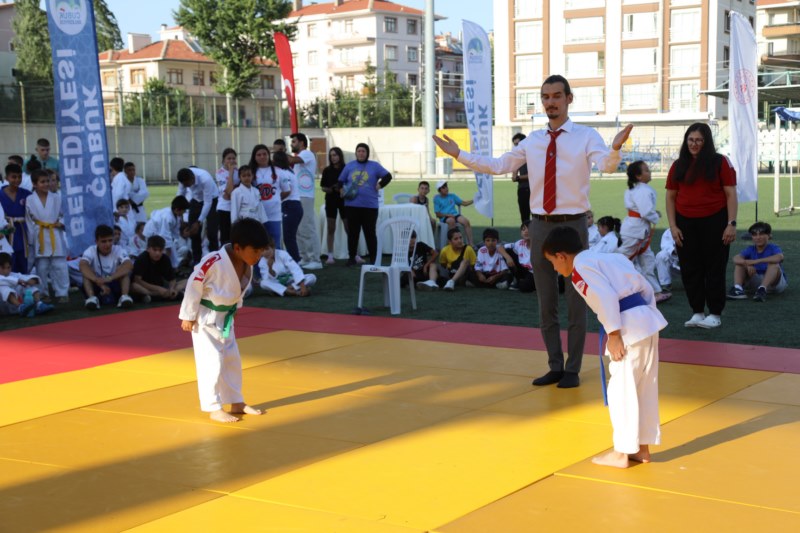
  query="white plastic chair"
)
[
  {"x": 402, "y": 198},
  {"x": 401, "y": 228}
]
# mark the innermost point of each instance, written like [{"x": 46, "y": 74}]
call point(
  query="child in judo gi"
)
[
  {"x": 281, "y": 275},
  {"x": 625, "y": 305},
  {"x": 214, "y": 292}
]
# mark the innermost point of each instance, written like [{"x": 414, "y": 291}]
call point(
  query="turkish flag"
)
[{"x": 284, "y": 52}]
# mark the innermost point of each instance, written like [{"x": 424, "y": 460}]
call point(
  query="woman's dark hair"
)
[
  {"x": 252, "y": 164},
  {"x": 364, "y": 146},
  {"x": 634, "y": 170},
  {"x": 227, "y": 151},
  {"x": 281, "y": 160},
  {"x": 337, "y": 151},
  {"x": 707, "y": 162},
  {"x": 613, "y": 224}
]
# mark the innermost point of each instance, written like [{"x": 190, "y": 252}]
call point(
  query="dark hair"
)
[
  {"x": 252, "y": 164},
  {"x": 634, "y": 170},
  {"x": 558, "y": 78},
  {"x": 38, "y": 174},
  {"x": 451, "y": 232},
  {"x": 245, "y": 168},
  {"x": 5, "y": 259},
  {"x": 281, "y": 160},
  {"x": 123, "y": 201},
  {"x": 279, "y": 142},
  {"x": 363, "y": 145},
  {"x": 518, "y": 136},
  {"x": 130, "y": 164},
  {"x": 185, "y": 175},
  {"x": 18, "y": 159},
  {"x": 762, "y": 227},
  {"x": 103, "y": 230},
  {"x": 491, "y": 233},
  {"x": 44, "y": 143},
  {"x": 413, "y": 234},
  {"x": 13, "y": 168},
  {"x": 423, "y": 182},
  {"x": 300, "y": 137},
  {"x": 249, "y": 232},
  {"x": 180, "y": 202},
  {"x": 613, "y": 224},
  {"x": 524, "y": 224},
  {"x": 140, "y": 225},
  {"x": 32, "y": 165},
  {"x": 707, "y": 162},
  {"x": 156, "y": 241},
  {"x": 117, "y": 228},
  {"x": 562, "y": 239},
  {"x": 337, "y": 151},
  {"x": 227, "y": 151},
  {"x": 117, "y": 163}
]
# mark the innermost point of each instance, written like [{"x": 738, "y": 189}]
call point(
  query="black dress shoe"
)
[
  {"x": 569, "y": 380},
  {"x": 548, "y": 379}
]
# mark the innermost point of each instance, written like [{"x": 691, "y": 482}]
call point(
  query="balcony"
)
[
  {"x": 790, "y": 29},
  {"x": 586, "y": 73},
  {"x": 684, "y": 104},
  {"x": 347, "y": 67},
  {"x": 350, "y": 39}
]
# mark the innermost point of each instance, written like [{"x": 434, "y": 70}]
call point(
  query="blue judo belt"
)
[{"x": 629, "y": 302}]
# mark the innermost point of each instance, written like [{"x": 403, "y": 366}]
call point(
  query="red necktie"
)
[{"x": 549, "y": 198}]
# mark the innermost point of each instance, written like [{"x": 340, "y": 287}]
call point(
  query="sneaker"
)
[
  {"x": 503, "y": 285},
  {"x": 450, "y": 285},
  {"x": 125, "y": 302},
  {"x": 73, "y": 288},
  {"x": 427, "y": 286},
  {"x": 26, "y": 310},
  {"x": 663, "y": 297},
  {"x": 359, "y": 260},
  {"x": 146, "y": 299},
  {"x": 514, "y": 286},
  {"x": 92, "y": 303},
  {"x": 710, "y": 322},
  {"x": 42, "y": 308},
  {"x": 735, "y": 293},
  {"x": 761, "y": 295},
  {"x": 695, "y": 320},
  {"x": 302, "y": 263},
  {"x": 313, "y": 265},
  {"x": 330, "y": 260}
]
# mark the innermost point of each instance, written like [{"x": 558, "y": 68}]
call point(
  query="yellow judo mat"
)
[{"x": 372, "y": 434}]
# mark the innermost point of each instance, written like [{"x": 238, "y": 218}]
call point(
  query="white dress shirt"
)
[{"x": 204, "y": 190}]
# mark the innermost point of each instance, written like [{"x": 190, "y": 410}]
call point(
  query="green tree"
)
[
  {"x": 108, "y": 35},
  {"x": 161, "y": 104},
  {"x": 32, "y": 43},
  {"x": 235, "y": 33}
]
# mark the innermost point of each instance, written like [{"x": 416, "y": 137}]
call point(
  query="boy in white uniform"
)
[
  {"x": 625, "y": 305},
  {"x": 13, "y": 286},
  {"x": 215, "y": 291},
  {"x": 45, "y": 220},
  {"x": 106, "y": 270},
  {"x": 166, "y": 223},
  {"x": 281, "y": 275}
]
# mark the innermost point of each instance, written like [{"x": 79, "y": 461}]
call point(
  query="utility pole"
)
[{"x": 430, "y": 89}]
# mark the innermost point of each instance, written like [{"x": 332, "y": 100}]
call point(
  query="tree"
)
[
  {"x": 161, "y": 104},
  {"x": 235, "y": 33},
  {"x": 105, "y": 23}
]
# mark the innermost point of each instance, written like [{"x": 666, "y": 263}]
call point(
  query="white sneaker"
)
[
  {"x": 92, "y": 303},
  {"x": 710, "y": 322},
  {"x": 313, "y": 265},
  {"x": 427, "y": 286},
  {"x": 125, "y": 301},
  {"x": 503, "y": 285},
  {"x": 302, "y": 263},
  {"x": 695, "y": 321},
  {"x": 450, "y": 285}
]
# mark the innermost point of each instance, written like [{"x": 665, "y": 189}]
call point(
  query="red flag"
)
[{"x": 284, "y": 52}]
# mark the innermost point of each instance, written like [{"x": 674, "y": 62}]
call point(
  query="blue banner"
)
[{"x": 80, "y": 122}]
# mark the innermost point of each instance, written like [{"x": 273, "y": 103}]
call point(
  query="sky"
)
[{"x": 146, "y": 16}]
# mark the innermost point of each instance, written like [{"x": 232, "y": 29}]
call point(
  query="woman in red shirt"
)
[{"x": 701, "y": 209}]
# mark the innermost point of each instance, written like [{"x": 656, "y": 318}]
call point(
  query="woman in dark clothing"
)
[{"x": 334, "y": 203}]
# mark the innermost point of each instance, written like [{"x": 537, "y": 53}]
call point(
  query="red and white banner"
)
[{"x": 284, "y": 53}]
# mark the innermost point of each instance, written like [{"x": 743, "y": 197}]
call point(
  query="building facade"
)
[
  {"x": 626, "y": 60},
  {"x": 778, "y": 32},
  {"x": 8, "y": 58}
]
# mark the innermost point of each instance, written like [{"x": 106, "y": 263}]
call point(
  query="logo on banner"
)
[
  {"x": 475, "y": 50},
  {"x": 69, "y": 15},
  {"x": 744, "y": 86}
]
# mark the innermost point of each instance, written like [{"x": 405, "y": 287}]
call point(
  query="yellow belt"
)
[{"x": 51, "y": 226}]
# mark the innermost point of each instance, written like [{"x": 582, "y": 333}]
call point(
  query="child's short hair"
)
[
  {"x": 634, "y": 170},
  {"x": 5, "y": 259},
  {"x": 491, "y": 233},
  {"x": 117, "y": 163},
  {"x": 13, "y": 168},
  {"x": 129, "y": 164},
  {"x": 760, "y": 227},
  {"x": 518, "y": 136},
  {"x": 103, "y": 230},
  {"x": 180, "y": 202},
  {"x": 185, "y": 175},
  {"x": 250, "y": 232},
  {"x": 562, "y": 239},
  {"x": 38, "y": 174},
  {"x": 523, "y": 225},
  {"x": 423, "y": 182},
  {"x": 279, "y": 142},
  {"x": 32, "y": 165},
  {"x": 123, "y": 201},
  {"x": 44, "y": 143},
  {"x": 451, "y": 232},
  {"x": 117, "y": 228},
  {"x": 18, "y": 159},
  {"x": 245, "y": 168},
  {"x": 413, "y": 234},
  {"x": 139, "y": 226},
  {"x": 156, "y": 241}
]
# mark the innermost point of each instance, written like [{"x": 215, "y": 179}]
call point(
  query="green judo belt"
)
[{"x": 230, "y": 310}]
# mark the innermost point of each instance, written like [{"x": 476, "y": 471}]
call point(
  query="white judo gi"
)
[
  {"x": 163, "y": 222},
  {"x": 50, "y": 245},
  {"x": 135, "y": 191},
  {"x": 285, "y": 271},
  {"x": 6, "y": 233},
  {"x": 219, "y": 367},
  {"x": 11, "y": 285},
  {"x": 636, "y": 231},
  {"x": 246, "y": 203},
  {"x": 607, "y": 244},
  {"x": 667, "y": 261},
  {"x": 603, "y": 280}
]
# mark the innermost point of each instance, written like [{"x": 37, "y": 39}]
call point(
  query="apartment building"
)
[
  {"x": 8, "y": 58},
  {"x": 178, "y": 59},
  {"x": 450, "y": 81},
  {"x": 778, "y": 32},
  {"x": 626, "y": 60}
]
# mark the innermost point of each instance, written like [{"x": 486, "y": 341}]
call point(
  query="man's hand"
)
[
  {"x": 447, "y": 145},
  {"x": 621, "y": 137}
]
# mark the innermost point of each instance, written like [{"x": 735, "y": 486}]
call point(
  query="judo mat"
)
[{"x": 380, "y": 425}]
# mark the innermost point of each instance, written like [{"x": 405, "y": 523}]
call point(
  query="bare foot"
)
[
  {"x": 642, "y": 456},
  {"x": 612, "y": 458},
  {"x": 244, "y": 409},
  {"x": 222, "y": 416}
]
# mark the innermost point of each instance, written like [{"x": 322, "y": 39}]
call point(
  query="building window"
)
[
  {"x": 528, "y": 37},
  {"x": 267, "y": 115},
  {"x": 198, "y": 78},
  {"x": 138, "y": 77},
  {"x": 587, "y": 99},
  {"x": 684, "y": 25},
  {"x": 312, "y": 30},
  {"x": 268, "y": 82},
  {"x": 312, "y": 57},
  {"x": 684, "y": 61},
  {"x": 294, "y": 59},
  {"x": 461, "y": 117},
  {"x": 413, "y": 80},
  {"x": 175, "y": 76},
  {"x": 313, "y": 84},
  {"x": 350, "y": 82},
  {"x": 348, "y": 26},
  {"x": 584, "y": 29},
  {"x": 529, "y": 70},
  {"x": 726, "y": 57},
  {"x": 412, "y": 26},
  {"x": 526, "y": 102},
  {"x": 391, "y": 52},
  {"x": 683, "y": 96},
  {"x": 527, "y": 9},
  {"x": 109, "y": 79},
  {"x": 413, "y": 54},
  {"x": 390, "y": 24},
  {"x": 639, "y": 96},
  {"x": 727, "y": 21},
  {"x": 640, "y": 25},
  {"x": 638, "y": 61},
  {"x": 586, "y": 65}
]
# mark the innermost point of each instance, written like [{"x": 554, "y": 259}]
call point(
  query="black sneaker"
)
[
  {"x": 736, "y": 294},
  {"x": 761, "y": 295}
]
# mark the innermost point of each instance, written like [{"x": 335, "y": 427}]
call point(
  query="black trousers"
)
[
  {"x": 212, "y": 229},
  {"x": 524, "y": 202},
  {"x": 224, "y": 226},
  {"x": 704, "y": 259},
  {"x": 523, "y": 276},
  {"x": 358, "y": 219}
]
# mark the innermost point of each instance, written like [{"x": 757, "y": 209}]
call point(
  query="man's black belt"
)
[{"x": 558, "y": 218}]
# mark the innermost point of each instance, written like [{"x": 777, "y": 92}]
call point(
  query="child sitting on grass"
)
[
  {"x": 422, "y": 259},
  {"x": 491, "y": 270},
  {"x": 14, "y": 286},
  {"x": 281, "y": 275},
  {"x": 758, "y": 267}
]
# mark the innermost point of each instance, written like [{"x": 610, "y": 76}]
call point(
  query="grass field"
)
[{"x": 744, "y": 322}]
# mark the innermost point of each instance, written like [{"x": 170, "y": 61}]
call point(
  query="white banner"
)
[
  {"x": 743, "y": 107},
  {"x": 478, "y": 106}
]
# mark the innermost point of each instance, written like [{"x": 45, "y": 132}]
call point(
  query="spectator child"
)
[
  {"x": 45, "y": 220},
  {"x": 55, "y": 182},
  {"x": 758, "y": 267},
  {"x": 125, "y": 221},
  {"x": 281, "y": 275},
  {"x": 13, "y": 199},
  {"x": 265, "y": 179},
  {"x": 445, "y": 206},
  {"x": 227, "y": 179},
  {"x": 30, "y": 167},
  {"x": 594, "y": 235},
  {"x": 491, "y": 270},
  {"x": 609, "y": 239},
  {"x": 117, "y": 236},
  {"x": 166, "y": 222},
  {"x": 457, "y": 261},
  {"x": 137, "y": 192},
  {"x": 138, "y": 243},
  {"x": 13, "y": 287},
  {"x": 422, "y": 259},
  {"x": 106, "y": 270},
  {"x": 246, "y": 199},
  {"x": 153, "y": 274},
  {"x": 519, "y": 260},
  {"x": 42, "y": 155},
  {"x": 667, "y": 261},
  {"x": 422, "y": 199}
]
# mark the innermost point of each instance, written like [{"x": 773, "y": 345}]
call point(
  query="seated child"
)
[
  {"x": 519, "y": 253},
  {"x": 125, "y": 221},
  {"x": 106, "y": 270},
  {"x": 456, "y": 261},
  {"x": 491, "y": 270},
  {"x": 758, "y": 267},
  {"x": 281, "y": 275},
  {"x": 609, "y": 237},
  {"x": 422, "y": 259},
  {"x": 667, "y": 262},
  {"x": 14, "y": 286},
  {"x": 594, "y": 234},
  {"x": 422, "y": 199},
  {"x": 166, "y": 222},
  {"x": 154, "y": 275},
  {"x": 625, "y": 305},
  {"x": 138, "y": 243},
  {"x": 445, "y": 207}
]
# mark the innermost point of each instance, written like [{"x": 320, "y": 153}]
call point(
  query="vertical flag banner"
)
[
  {"x": 478, "y": 106},
  {"x": 743, "y": 107},
  {"x": 80, "y": 122},
  {"x": 284, "y": 52}
]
